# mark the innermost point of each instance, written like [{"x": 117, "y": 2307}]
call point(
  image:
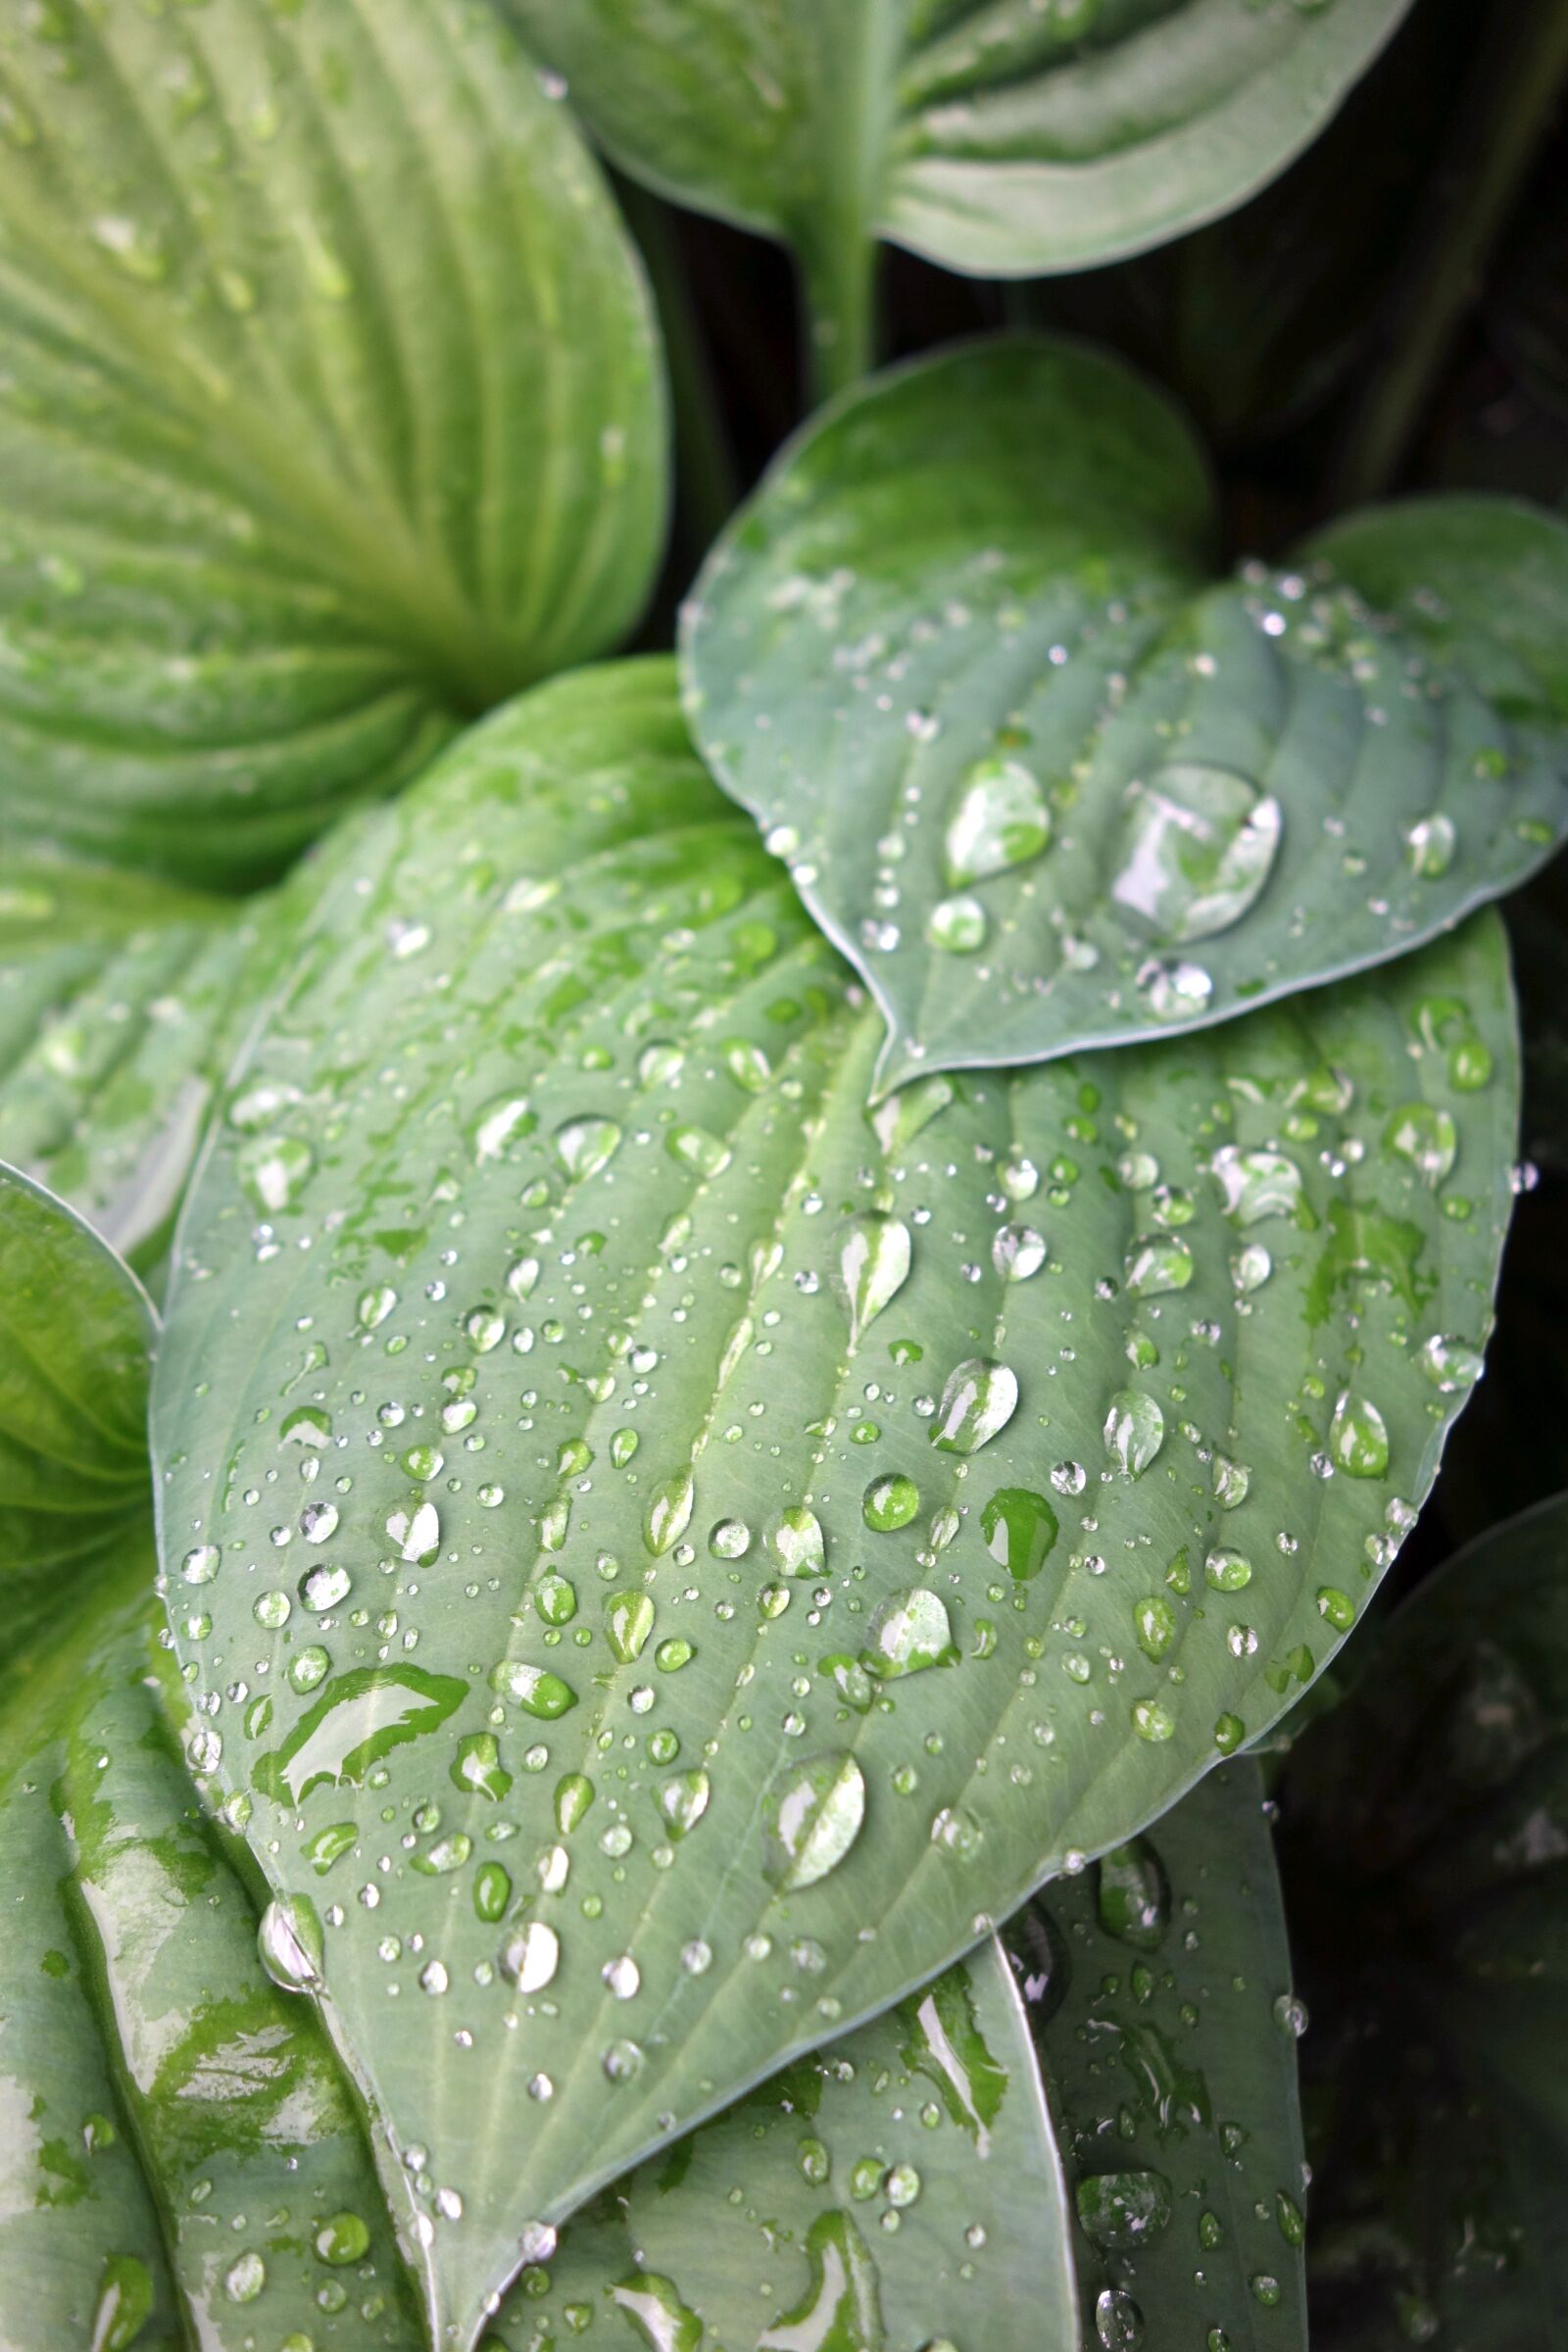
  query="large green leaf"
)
[
  {"x": 331, "y": 412},
  {"x": 575, "y": 1562},
  {"x": 902, "y": 2188},
  {"x": 994, "y": 135},
  {"x": 118, "y": 999},
  {"x": 75, "y": 1330},
  {"x": 1160, "y": 1987},
  {"x": 1047, "y": 783},
  {"x": 1431, "y": 1820}
]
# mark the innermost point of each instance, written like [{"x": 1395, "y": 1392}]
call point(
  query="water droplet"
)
[
  {"x": 669, "y": 1512},
  {"x": 1257, "y": 1184},
  {"x": 1020, "y": 1527},
  {"x": 813, "y": 1815},
  {"x": 200, "y": 1566},
  {"x": 1132, "y": 1895},
  {"x": 1358, "y": 1436},
  {"x": 704, "y": 1154},
  {"x": 1017, "y": 1252},
  {"x": 291, "y": 1943},
  {"x": 1000, "y": 821},
  {"x": 628, "y": 1622},
  {"x": 1135, "y": 1431},
  {"x": 870, "y": 1267},
  {"x": 1450, "y": 1364},
  {"x": 956, "y": 926},
  {"x": 1173, "y": 990},
  {"x": 274, "y": 1170},
  {"x": 1197, "y": 846},
  {"x": 683, "y": 1800},
  {"x": 530, "y": 1956},
  {"x": 623, "y": 1976},
  {"x": 342, "y": 2238},
  {"x": 477, "y": 1766},
  {"x": 1430, "y": 843},
  {"x": 1289, "y": 2014},
  {"x": 980, "y": 1399},
  {"x": 1155, "y": 1263},
  {"x": 1227, "y": 1570},
  {"x": 585, "y": 1146},
  {"x": 245, "y": 2278},
  {"x": 909, "y": 1630},
  {"x": 1424, "y": 1137},
  {"x": 794, "y": 1541},
  {"x": 1124, "y": 2210},
  {"x": 889, "y": 1502},
  {"x": 534, "y": 1688},
  {"x": 959, "y": 1833},
  {"x": 416, "y": 1530},
  {"x": 124, "y": 2303},
  {"x": 1118, "y": 2321}
]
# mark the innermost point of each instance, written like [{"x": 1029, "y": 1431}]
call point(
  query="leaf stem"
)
[
  {"x": 1489, "y": 160},
  {"x": 841, "y": 308},
  {"x": 858, "y": 50}
]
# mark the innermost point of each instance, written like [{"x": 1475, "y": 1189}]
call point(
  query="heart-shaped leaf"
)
[
  {"x": 640, "y": 1677},
  {"x": 74, "y": 1331},
  {"x": 1431, "y": 1820},
  {"x": 332, "y": 413},
  {"x": 1160, "y": 1989},
  {"x": 1050, "y": 786},
  {"x": 1005, "y": 138}
]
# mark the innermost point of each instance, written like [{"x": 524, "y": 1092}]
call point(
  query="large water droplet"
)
[
  {"x": 812, "y": 1815},
  {"x": 628, "y": 1622},
  {"x": 1135, "y": 1431},
  {"x": 530, "y": 1956},
  {"x": 1426, "y": 1138},
  {"x": 1122, "y": 2210},
  {"x": 889, "y": 1502},
  {"x": 1020, "y": 1527},
  {"x": 1118, "y": 2321},
  {"x": 1257, "y": 1184},
  {"x": 683, "y": 1800},
  {"x": 1196, "y": 849},
  {"x": 871, "y": 1265},
  {"x": 794, "y": 1540},
  {"x": 1358, "y": 1436},
  {"x": 956, "y": 926},
  {"x": 909, "y": 1630},
  {"x": 1158, "y": 1262},
  {"x": 999, "y": 819},
  {"x": 1132, "y": 1895},
  {"x": 669, "y": 1511},
  {"x": 585, "y": 1146},
  {"x": 1430, "y": 843},
  {"x": 274, "y": 1170},
  {"x": 1448, "y": 1363},
  {"x": 291, "y": 1943},
  {"x": 980, "y": 1399},
  {"x": 1017, "y": 1252}
]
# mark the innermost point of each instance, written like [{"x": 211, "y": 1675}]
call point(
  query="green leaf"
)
[
  {"x": 332, "y": 413},
  {"x": 1430, "y": 1829},
  {"x": 1050, "y": 786},
  {"x": 903, "y": 2181},
  {"x": 74, "y": 1331},
  {"x": 993, "y": 135},
  {"x": 119, "y": 1000},
  {"x": 184, "y": 2159},
  {"x": 1159, "y": 1986},
  {"x": 582, "y": 1575}
]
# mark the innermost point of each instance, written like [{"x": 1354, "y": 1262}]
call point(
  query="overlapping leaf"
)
[
  {"x": 1438, "y": 1952},
  {"x": 119, "y": 1000},
  {"x": 694, "y": 1550},
  {"x": 75, "y": 1330},
  {"x": 332, "y": 413},
  {"x": 994, "y": 135},
  {"x": 1160, "y": 1987},
  {"x": 1051, "y": 787}
]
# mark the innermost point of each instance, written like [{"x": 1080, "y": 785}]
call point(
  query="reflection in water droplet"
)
[
  {"x": 1426, "y": 1138},
  {"x": 683, "y": 1800},
  {"x": 274, "y": 1170},
  {"x": 669, "y": 1511},
  {"x": 1358, "y": 1436},
  {"x": 909, "y": 1631},
  {"x": 794, "y": 1540},
  {"x": 980, "y": 1399},
  {"x": 956, "y": 926},
  {"x": 123, "y": 2305},
  {"x": 1132, "y": 1897},
  {"x": 1430, "y": 843},
  {"x": 1122, "y": 2210},
  {"x": 1172, "y": 989},
  {"x": 585, "y": 1146},
  {"x": 291, "y": 1943},
  {"x": 1020, "y": 1527},
  {"x": 1017, "y": 1252},
  {"x": 812, "y": 1814},
  {"x": 1118, "y": 2321},
  {"x": 1448, "y": 1363},
  {"x": 1135, "y": 1431},
  {"x": 1197, "y": 847},
  {"x": 1000, "y": 821},
  {"x": 1257, "y": 1184},
  {"x": 889, "y": 1502},
  {"x": 871, "y": 1265},
  {"x": 1158, "y": 1262}
]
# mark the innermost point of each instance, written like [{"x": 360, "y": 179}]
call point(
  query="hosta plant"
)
[{"x": 738, "y": 1313}]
